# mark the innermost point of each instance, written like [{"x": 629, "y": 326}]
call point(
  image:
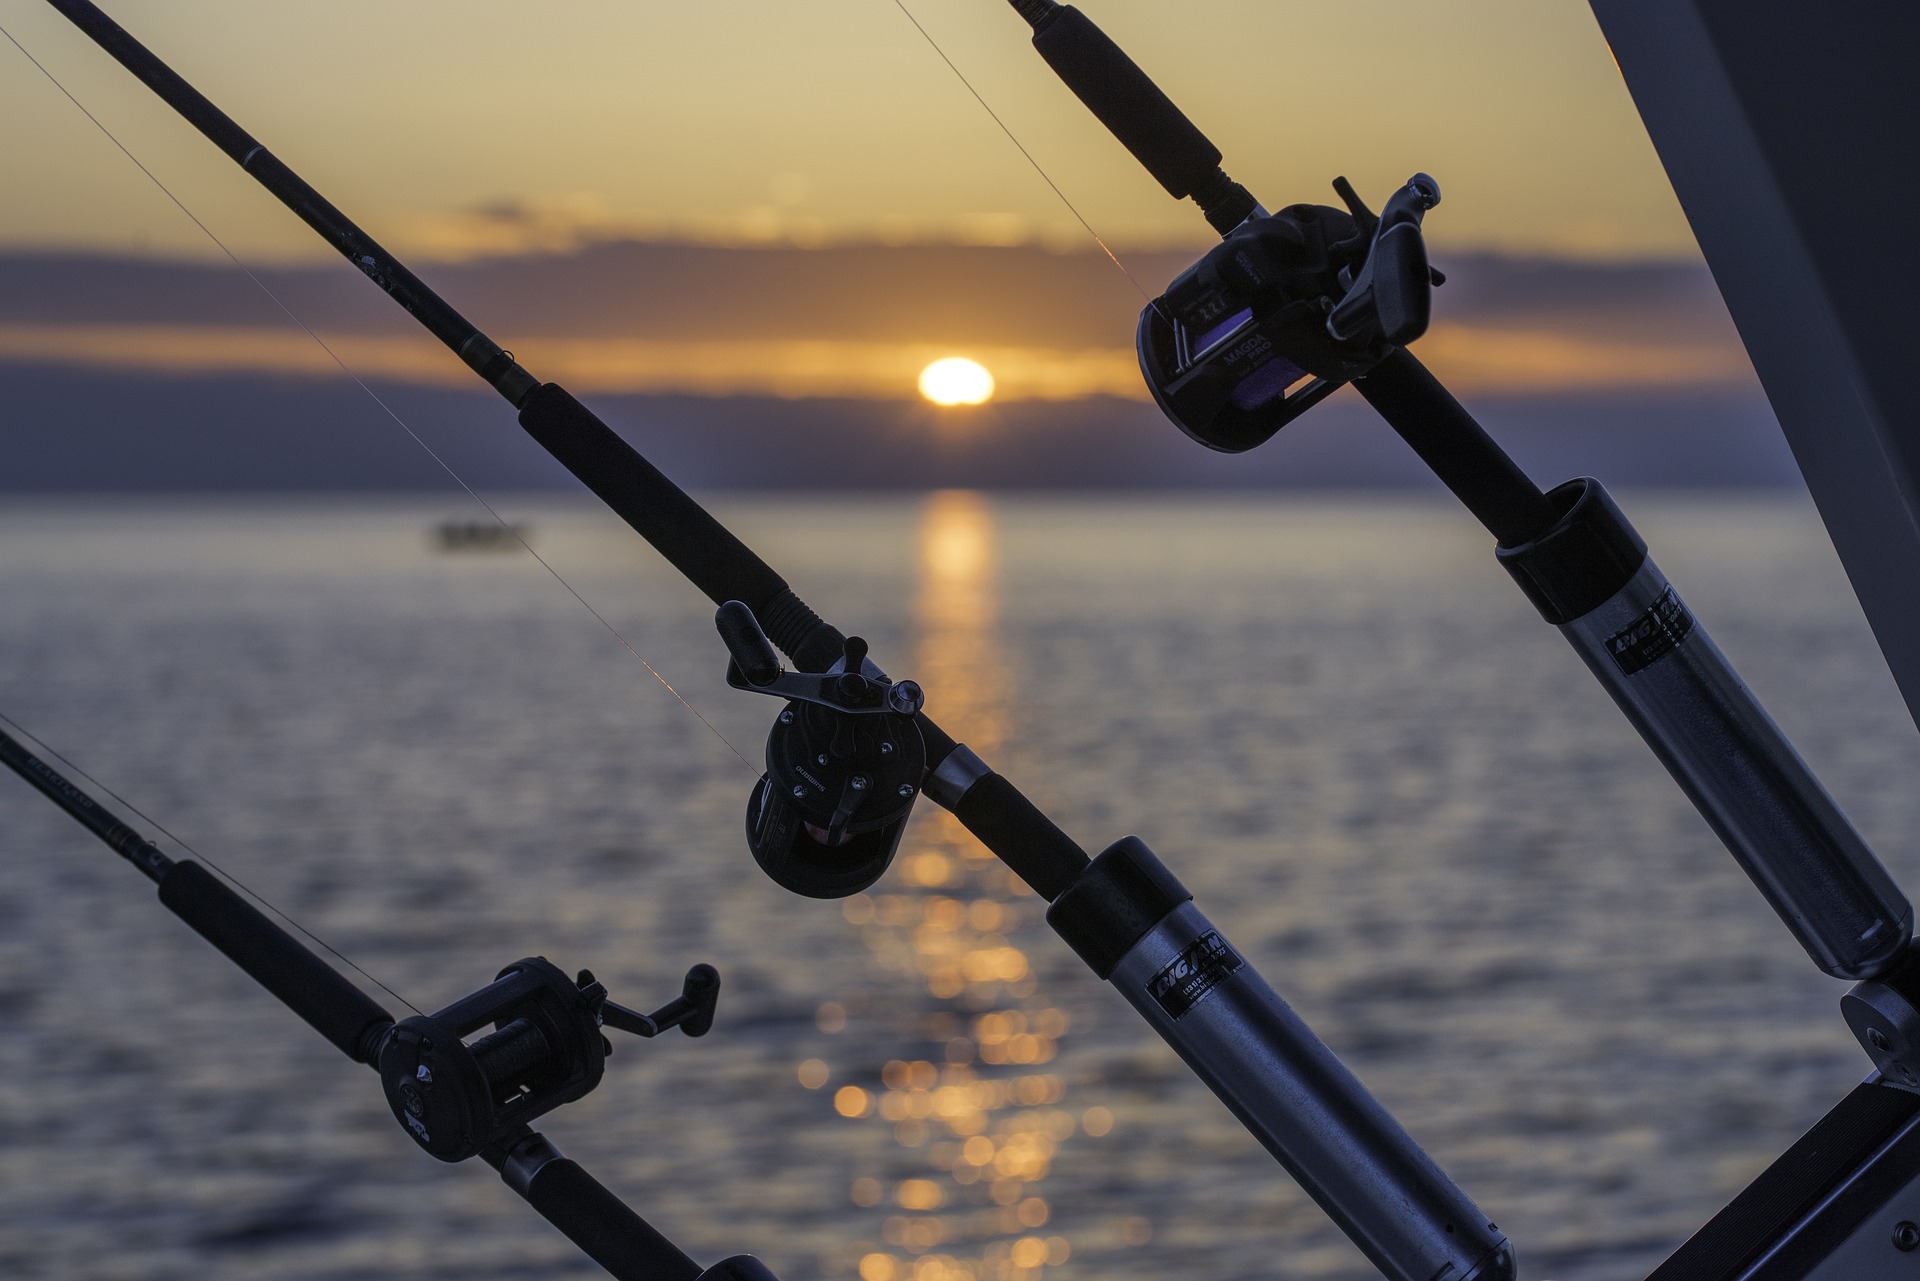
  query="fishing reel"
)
[
  {"x": 457, "y": 1097},
  {"x": 1286, "y": 309},
  {"x": 844, "y": 763}
]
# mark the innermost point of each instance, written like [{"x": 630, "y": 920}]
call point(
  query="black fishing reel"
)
[
  {"x": 457, "y": 1097},
  {"x": 1284, "y": 310},
  {"x": 844, "y": 763}
]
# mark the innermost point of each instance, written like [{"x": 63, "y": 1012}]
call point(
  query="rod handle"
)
[
  {"x": 679, "y": 528},
  {"x": 1023, "y": 838},
  {"x": 1134, "y": 110},
  {"x": 604, "y": 1227},
  {"x": 304, "y": 983},
  {"x": 1458, "y": 450}
]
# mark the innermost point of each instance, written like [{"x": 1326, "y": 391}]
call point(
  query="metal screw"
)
[
  {"x": 1906, "y": 1235},
  {"x": 786, "y": 717},
  {"x": 906, "y": 789},
  {"x": 858, "y": 782},
  {"x": 799, "y": 792},
  {"x": 821, "y": 759},
  {"x": 886, "y": 749},
  {"x": 1879, "y": 1039}
]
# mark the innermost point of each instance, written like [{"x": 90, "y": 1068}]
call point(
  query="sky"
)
[
  {"x": 450, "y": 130},
  {"x": 779, "y": 208}
]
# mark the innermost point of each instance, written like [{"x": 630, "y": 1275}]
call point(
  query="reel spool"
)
[
  {"x": 844, "y": 764},
  {"x": 1286, "y": 309},
  {"x": 456, "y": 1098}
]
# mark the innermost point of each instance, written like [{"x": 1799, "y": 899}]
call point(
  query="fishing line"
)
[
  {"x": 1021, "y": 147},
  {"x": 238, "y": 884},
  {"x": 374, "y": 396}
]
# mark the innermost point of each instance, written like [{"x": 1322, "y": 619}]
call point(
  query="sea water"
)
[{"x": 1390, "y": 784}]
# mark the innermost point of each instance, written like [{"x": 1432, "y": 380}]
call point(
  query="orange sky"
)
[
  {"x": 851, "y": 321},
  {"x": 449, "y": 129}
]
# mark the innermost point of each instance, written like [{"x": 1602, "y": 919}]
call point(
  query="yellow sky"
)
[
  {"x": 448, "y": 129},
  {"x": 1472, "y": 359}
]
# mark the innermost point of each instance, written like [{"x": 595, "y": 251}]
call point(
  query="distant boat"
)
[{"x": 478, "y": 536}]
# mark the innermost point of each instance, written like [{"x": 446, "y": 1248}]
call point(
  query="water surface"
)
[{"x": 1387, "y": 782}]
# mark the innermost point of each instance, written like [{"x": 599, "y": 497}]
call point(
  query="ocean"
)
[{"x": 1388, "y": 783}]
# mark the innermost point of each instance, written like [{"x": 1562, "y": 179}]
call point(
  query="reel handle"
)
[
  {"x": 1391, "y": 299},
  {"x": 691, "y": 1011}
]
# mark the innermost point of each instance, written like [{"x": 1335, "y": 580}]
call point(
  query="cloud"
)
[
  {"x": 1470, "y": 359},
  {"x": 859, "y": 322},
  {"x": 1496, "y": 360},
  {"x": 790, "y": 369}
]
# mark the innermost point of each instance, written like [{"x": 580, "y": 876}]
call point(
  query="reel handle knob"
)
[
  {"x": 701, "y": 994},
  {"x": 752, "y": 652}
]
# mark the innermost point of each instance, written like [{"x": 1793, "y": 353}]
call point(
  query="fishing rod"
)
[
  {"x": 1290, "y": 307},
  {"x": 853, "y": 750},
  {"x": 456, "y": 1094}
]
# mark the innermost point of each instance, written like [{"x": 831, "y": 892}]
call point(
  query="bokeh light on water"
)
[
  {"x": 975, "y": 1117},
  {"x": 1395, "y": 790}
]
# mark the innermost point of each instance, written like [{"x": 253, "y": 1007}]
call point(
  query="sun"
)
[{"x": 956, "y": 381}]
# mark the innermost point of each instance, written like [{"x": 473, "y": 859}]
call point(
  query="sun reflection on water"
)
[{"x": 976, "y": 1117}]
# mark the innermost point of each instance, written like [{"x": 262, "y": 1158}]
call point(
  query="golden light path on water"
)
[{"x": 968, "y": 1094}]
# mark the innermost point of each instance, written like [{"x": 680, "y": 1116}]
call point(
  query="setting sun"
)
[{"x": 956, "y": 381}]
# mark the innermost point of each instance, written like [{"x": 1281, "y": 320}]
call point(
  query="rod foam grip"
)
[
  {"x": 307, "y": 985},
  {"x": 1127, "y": 102},
  {"x": 1026, "y": 840},
  {"x": 605, "y": 1227},
  {"x": 693, "y": 542}
]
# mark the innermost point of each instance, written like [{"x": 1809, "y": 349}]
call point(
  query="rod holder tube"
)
[
  {"x": 1133, "y": 922},
  {"x": 1591, "y": 577}
]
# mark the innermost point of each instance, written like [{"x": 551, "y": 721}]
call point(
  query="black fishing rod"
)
[
  {"x": 456, "y": 1094},
  {"x": 1291, "y": 306},
  {"x": 853, "y": 750}
]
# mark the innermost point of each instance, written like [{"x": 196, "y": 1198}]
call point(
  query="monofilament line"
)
[
  {"x": 1044, "y": 176},
  {"x": 251, "y": 893},
  {"x": 371, "y": 394}
]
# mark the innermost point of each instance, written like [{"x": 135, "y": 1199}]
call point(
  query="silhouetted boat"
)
[{"x": 478, "y": 536}]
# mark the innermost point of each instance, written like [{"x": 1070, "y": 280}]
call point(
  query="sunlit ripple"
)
[{"x": 975, "y": 1113}]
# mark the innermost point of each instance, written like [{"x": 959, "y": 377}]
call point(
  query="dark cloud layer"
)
[{"x": 71, "y": 427}]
